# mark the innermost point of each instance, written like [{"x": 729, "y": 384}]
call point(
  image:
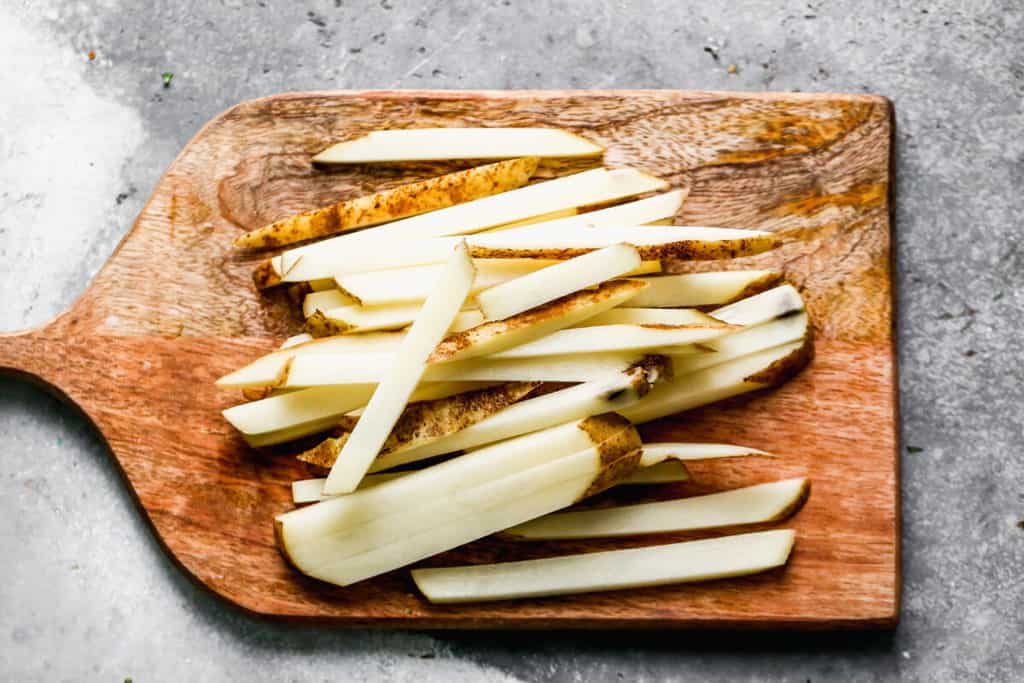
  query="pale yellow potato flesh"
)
[
  {"x": 498, "y": 335},
  {"x": 770, "y": 502},
  {"x": 655, "y": 453},
  {"x": 413, "y": 284},
  {"x": 394, "y": 390},
  {"x": 617, "y": 338},
  {"x": 343, "y": 544},
  {"x": 702, "y": 289},
  {"x": 745, "y": 341},
  {"x": 359, "y": 252},
  {"x": 732, "y": 378},
  {"x": 364, "y": 368},
  {"x": 610, "y": 394},
  {"x": 652, "y": 242},
  {"x": 648, "y": 316},
  {"x": 658, "y": 565},
  {"x": 269, "y": 370},
  {"x": 433, "y": 144},
  {"x": 534, "y": 289}
]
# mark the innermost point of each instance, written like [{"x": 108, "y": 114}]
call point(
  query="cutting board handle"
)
[{"x": 32, "y": 356}]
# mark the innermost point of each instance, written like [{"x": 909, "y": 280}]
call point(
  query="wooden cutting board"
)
[{"x": 174, "y": 308}]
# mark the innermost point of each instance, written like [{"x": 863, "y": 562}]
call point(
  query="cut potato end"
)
[
  {"x": 494, "y": 336},
  {"x": 325, "y": 300},
  {"x": 705, "y": 560},
  {"x": 392, "y": 394},
  {"x": 400, "y": 202},
  {"x": 430, "y": 144},
  {"x": 667, "y": 472},
  {"x": 769, "y": 502},
  {"x": 703, "y": 289},
  {"x": 540, "y": 287},
  {"x": 753, "y": 310}
]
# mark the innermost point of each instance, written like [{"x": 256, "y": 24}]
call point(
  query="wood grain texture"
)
[{"x": 174, "y": 308}]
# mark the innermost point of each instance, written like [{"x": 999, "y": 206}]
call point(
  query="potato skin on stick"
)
[{"x": 399, "y": 202}]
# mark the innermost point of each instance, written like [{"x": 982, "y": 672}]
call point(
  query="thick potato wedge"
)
[{"x": 370, "y": 532}]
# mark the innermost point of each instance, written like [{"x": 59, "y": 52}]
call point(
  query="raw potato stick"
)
[
  {"x": 400, "y": 202},
  {"x": 667, "y": 472},
  {"x": 392, "y": 394},
  {"x": 346, "y": 252},
  {"x": 618, "y": 338},
  {"x": 748, "y": 340},
  {"x": 311, "y": 490},
  {"x": 640, "y": 212},
  {"x": 498, "y": 335},
  {"x": 611, "y": 393},
  {"x": 749, "y": 373},
  {"x": 703, "y": 289},
  {"x": 334, "y": 369},
  {"x": 540, "y": 287},
  {"x": 430, "y": 144},
  {"x": 325, "y": 301},
  {"x": 343, "y": 541},
  {"x": 426, "y": 421},
  {"x": 292, "y": 415},
  {"x": 648, "y": 316},
  {"x": 655, "y": 453},
  {"x": 658, "y": 565},
  {"x": 769, "y": 502},
  {"x": 413, "y": 284},
  {"x": 270, "y": 370},
  {"x": 651, "y": 242},
  {"x": 362, "y": 319}
]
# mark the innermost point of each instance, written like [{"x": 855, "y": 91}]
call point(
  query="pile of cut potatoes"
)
[{"x": 478, "y": 350}]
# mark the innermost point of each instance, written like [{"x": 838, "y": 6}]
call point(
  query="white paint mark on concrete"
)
[{"x": 62, "y": 147}]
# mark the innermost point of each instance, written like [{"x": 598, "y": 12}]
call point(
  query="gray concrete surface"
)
[{"x": 86, "y": 594}]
